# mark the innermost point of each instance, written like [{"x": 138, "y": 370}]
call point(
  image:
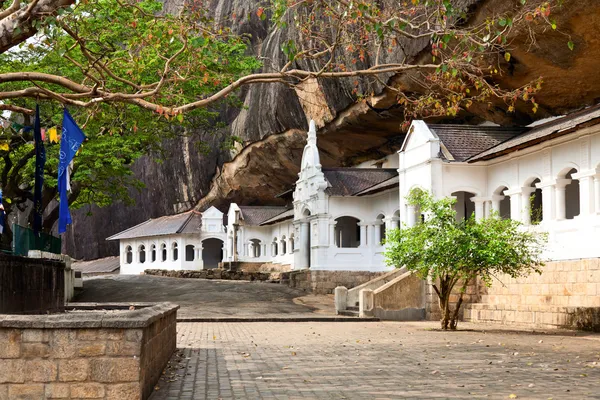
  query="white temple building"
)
[{"x": 546, "y": 176}]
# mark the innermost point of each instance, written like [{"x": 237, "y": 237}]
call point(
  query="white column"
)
[
  {"x": 597, "y": 193},
  {"x": 479, "y": 208},
  {"x": 395, "y": 223},
  {"x": 251, "y": 250},
  {"x": 363, "y": 235},
  {"x": 559, "y": 191},
  {"x": 488, "y": 208},
  {"x": 377, "y": 233},
  {"x": 548, "y": 198},
  {"x": 411, "y": 216},
  {"x": 515, "y": 204},
  {"x": 586, "y": 196},
  {"x": 587, "y": 192},
  {"x": 332, "y": 234},
  {"x": 304, "y": 248}
]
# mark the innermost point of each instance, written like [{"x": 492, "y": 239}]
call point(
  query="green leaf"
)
[
  {"x": 180, "y": 117},
  {"x": 571, "y": 45},
  {"x": 507, "y": 56}
]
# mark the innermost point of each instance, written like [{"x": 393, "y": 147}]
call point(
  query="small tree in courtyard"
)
[{"x": 454, "y": 252}]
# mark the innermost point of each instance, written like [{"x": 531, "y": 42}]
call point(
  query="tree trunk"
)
[
  {"x": 454, "y": 320},
  {"x": 20, "y": 25}
]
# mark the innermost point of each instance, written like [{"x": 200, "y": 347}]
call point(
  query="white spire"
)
[{"x": 312, "y": 132}]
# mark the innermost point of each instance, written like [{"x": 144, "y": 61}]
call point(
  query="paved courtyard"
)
[
  {"x": 378, "y": 360},
  {"x": 202, "y": 298}
]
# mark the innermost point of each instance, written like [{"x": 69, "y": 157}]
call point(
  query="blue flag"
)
[
  {"x": 40, "y": 161},
  {"x": 70, "y": 140}
]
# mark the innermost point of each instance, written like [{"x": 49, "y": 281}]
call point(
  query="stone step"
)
[
  {"x": 352, "y": 308},
  {"x": 349, "y": 313},
  {"x": 587, "y": 318}
]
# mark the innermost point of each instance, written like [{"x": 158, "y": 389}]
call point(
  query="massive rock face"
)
[{"x": 274, "y": 120}]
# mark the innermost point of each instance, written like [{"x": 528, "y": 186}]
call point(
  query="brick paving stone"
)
[{"x": 383, "y": 360}]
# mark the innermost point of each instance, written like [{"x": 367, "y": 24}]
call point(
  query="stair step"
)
[
  {"x": 352, "y": 308},
  {"x": 348, "y": 313}
]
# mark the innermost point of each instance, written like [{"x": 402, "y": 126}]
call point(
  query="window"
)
[
  {"x": 153, "y": 253},
  {"x": 572, "y": 196},
  {"x": 274, "y": 247},
  {"x": 163, "y": 250},
  {"x": 283, "y": 245},
  {"x": 256, "y": 248},
  {"x": 347, "y": 232},
  {"x": 142, "y": 254},
  {"x": 189, "y": 252},
  {"x": 128, "y": 255},
  {"x": 175, "y": 251}
]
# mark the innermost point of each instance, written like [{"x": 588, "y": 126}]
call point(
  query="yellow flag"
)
[{"x": 53, "y": 135}]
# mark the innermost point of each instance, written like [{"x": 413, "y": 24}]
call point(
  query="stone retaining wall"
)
[
  {"x": 324, "y": 282},
  {"x": 31, "y": 286},
  {"x": 565, "y": 295},
  {"x": 216, "y": 273},
  {"x": 87, "y": 354}
]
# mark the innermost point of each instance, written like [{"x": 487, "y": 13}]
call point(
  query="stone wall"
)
[
  {"x": 566, "y": 294},
  {"x": 215, "y": 273},
  {"x": 324, "y": 282},
  {"x": 474, "y": 292},
  {"x": 88, "y": 354},
  {"x": 401, "y": 299},
  {"x": 31, "y": 286}
]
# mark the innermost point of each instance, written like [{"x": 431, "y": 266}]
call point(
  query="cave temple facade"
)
[{"x": 547, "y": 176}]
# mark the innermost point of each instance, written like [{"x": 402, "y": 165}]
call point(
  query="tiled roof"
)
[
  {"x": 188, "y": 222},
  {"x": 256, "y": 215},
  {"x": 543, "y": 132},
  {"x": 351, "y": 181},
  {"x": 390, "y": 183},
  {"x": 465, "y": 141},
  {"x": 289, "y": 214},
  {"x": 100, "y": 266}
]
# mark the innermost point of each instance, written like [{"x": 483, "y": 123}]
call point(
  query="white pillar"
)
[
  {"x": 363, "y": 235},
  {"x": 597, "y": 193},
  {"x": 515, "y": 203},
  {"x": 411, "y": 216},
  {"x": 377, "y": 233},
  {"x": 304, "y": 245},
  {"x": 559, "y": 191},
  {"x": 332, "y": 234},
  {"x": 395, "y": 223},
  {"x": 548, "y": 198},
  {"x": 341, "y": 299},
  {"x": 479, "y": 208},
  {"x": 587, "y": 192},
  {"x": 586, "y": 196}
]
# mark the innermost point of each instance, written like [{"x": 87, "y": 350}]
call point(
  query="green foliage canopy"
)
[{"x": 452, "y": 251}]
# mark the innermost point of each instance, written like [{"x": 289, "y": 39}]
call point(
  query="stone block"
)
[
  {"x": 27, "y": 391},
  {"x": 12, "y": 371},
  {"x": 73, "y": 370},
  {"x": 123, "y": 391},
  {"x": 87, "y": 334},
  {"x": 35, "y": 335},
  {"x": 57, "y": 391},
  {"x": 41, "y": 370},
  {"x": 63, "y": 343},
  {"x": 87, "y": 390},
  {"x": 121, "y": 348},
  {"x": 4, "y": 392},
  {"x": 134, "y": 335},
  {"x": 10, "y": 343},
  {"x": 113, "y": 370},
  {"x": 94, "y": 349},
  {"x": 35, "y": 350},
  {"x": 110, "y": 334}
]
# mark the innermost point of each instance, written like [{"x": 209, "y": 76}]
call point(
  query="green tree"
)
[
  {"x": 455, "y": 252},
  {"x": 140, "y": 48}
]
